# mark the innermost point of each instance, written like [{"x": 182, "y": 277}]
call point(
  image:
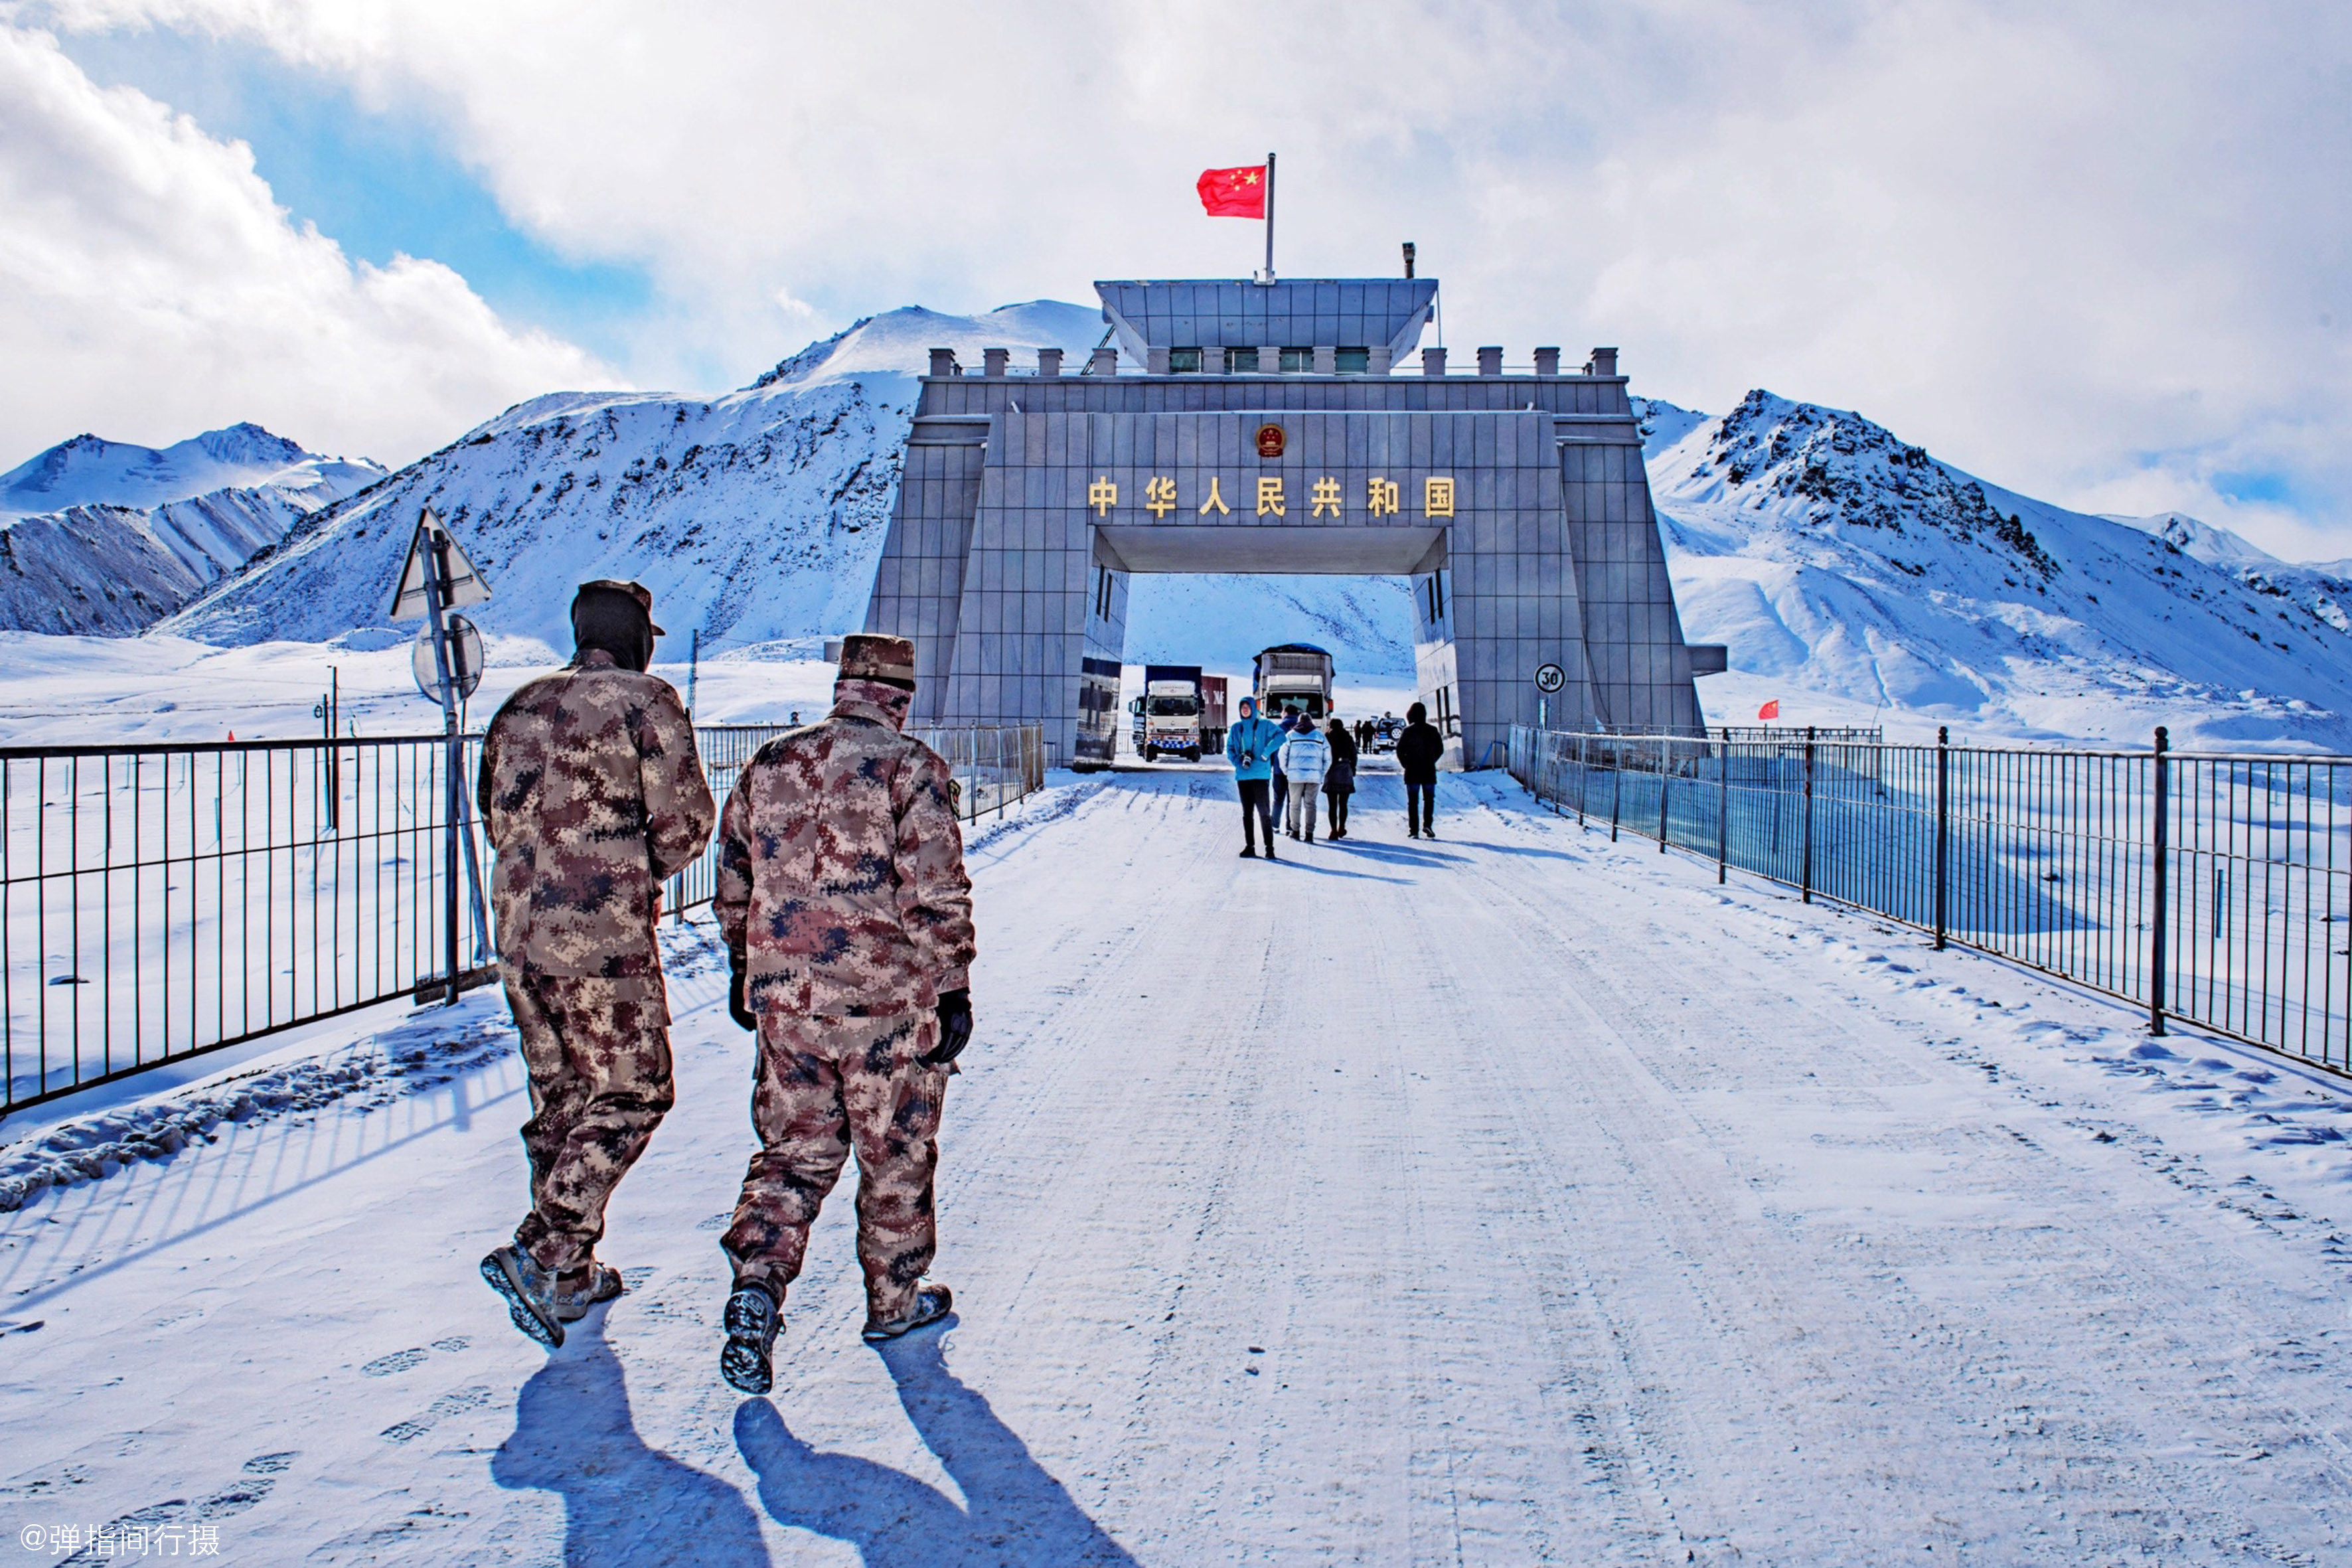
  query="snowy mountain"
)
[
  {"x": 89, "y": 471},
  {"x": 754, "y": 517},
  {"x": 1838, "y": 561},
  {"x": 1849, "y": 573},
  {"x": 108, "y": 538}
]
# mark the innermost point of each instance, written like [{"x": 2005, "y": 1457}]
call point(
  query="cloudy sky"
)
[{"x": 2095, "y": 252}]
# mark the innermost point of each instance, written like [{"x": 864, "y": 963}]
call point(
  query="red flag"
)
[
  {"x": 1234, "y": 193},
  {"x": 1770, "y": 709}
]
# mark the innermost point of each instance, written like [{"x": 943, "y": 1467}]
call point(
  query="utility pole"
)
[{"x": 431, "y": 580}]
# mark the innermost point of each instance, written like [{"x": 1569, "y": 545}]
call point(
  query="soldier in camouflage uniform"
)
[
  {"x": 592, "y": 795},
  {"x": 847, "y": 915}
]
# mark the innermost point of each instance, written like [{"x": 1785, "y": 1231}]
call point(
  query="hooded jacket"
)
[
  {"x": 1418, "y": 750},
  {"x": 1306, "y": 756},
  {"x": 1251, "y": 746}
]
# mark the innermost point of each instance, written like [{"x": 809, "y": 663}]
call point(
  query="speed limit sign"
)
[{"x": 1549, "y": 679}]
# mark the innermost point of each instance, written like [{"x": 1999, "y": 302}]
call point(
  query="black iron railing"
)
[
  {"x": 157, "y": 902},
  {"x": 2212, "y": 888}
]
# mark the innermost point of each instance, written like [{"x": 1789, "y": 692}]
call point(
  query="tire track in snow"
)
[{"x": 2126, "y": 1278}]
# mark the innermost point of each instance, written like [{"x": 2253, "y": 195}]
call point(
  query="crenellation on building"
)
[{"x": 1515, "y": 505}]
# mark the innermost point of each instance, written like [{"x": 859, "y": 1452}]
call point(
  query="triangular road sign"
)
[{"x": 464, "y": 588}]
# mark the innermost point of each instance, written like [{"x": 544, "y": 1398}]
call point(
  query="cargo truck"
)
[
  {"x": 1168, "y": 714},
  {"x": 1294, "y": 675},
  {"x": 1212, "y": 714}
]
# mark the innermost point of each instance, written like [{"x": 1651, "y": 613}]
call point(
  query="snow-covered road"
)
[{"x": 1515, "y": 1197}]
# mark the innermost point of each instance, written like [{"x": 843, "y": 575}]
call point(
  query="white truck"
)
[
  {"x": 1168, "y": 715},
  {"x": 1294, "y": 675}
]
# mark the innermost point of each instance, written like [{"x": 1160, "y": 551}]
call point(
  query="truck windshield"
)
[{"x": 1175, "y": 707}]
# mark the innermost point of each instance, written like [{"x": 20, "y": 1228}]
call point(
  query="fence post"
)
[
  {"x": 1806, "y": 873},
  {"x": 1583, "y": 780},
  {"x": 1943, "y": 769},
  {"x": 1723, "y": 805},
  {"x": 2157, "y": 916},
  {"x": 1616, "y": 790},
  {"x": 1664, "y": 766}
]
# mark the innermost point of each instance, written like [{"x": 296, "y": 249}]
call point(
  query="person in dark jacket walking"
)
[
  {"x": 1340, "y": 780},
  {"x": 1417, "y": 752}
]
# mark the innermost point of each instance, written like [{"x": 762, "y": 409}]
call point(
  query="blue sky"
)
[
  {"x": 2096, "y": 251},
  {"x": 379, "y": 184}
]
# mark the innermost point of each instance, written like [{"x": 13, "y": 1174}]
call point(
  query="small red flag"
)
[
  {"x": 1770, "y": 709},
  {"x": 1234, "y": 193}
]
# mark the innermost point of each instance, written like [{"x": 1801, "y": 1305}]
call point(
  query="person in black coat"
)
[
  {"x": 1340, "y": 781},
  {"x": 1417, "y": 752}
]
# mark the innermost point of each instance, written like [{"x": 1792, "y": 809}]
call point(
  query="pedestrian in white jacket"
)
[{"x": 1305, "y": 757}]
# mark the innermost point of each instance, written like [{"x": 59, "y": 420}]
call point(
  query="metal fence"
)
[
  {"x": 160, "y": 902},
  {"x": 2208, "y": 886}
]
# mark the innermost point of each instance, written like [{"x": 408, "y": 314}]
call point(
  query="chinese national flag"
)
[
  {"x": 1234, "y": 193},
  {"x": 1770, "y": 709}
]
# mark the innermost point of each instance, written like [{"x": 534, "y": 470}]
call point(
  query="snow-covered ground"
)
[
  {"x": 1513, "y": 1197},
  {"x": 66, "y": 690}
]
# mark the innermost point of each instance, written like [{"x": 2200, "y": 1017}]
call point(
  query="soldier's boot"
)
[
  {"x": 529, "y": 1291},
  {"x": 932, "y": 1303},
  {"x": 576, "y": 1293},
  {"x": 753, "y": 1321}
]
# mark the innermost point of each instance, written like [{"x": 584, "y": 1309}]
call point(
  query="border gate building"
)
[{"x": 1270, "y": 430}]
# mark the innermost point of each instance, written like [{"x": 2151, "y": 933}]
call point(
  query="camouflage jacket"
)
[
  {"x": 592, "y": 795},
  {"x": 841, "y": 866}
]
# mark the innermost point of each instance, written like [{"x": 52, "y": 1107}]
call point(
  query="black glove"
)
[
  {"x": 739, "y": 1006},
  {"x": 955, "y": 1028}
]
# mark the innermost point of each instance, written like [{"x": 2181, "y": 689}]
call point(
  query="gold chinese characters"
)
[{"x": 1383, "y": 497}]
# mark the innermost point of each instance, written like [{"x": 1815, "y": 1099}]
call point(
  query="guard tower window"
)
[
  {"x": 1436, "y": 598},
  {"x": 1355, "y": 361},
  {"x": 1183, "y": 362},
  {"x": 1240, "y": 361},
  {"x": 1297, "y": 361}
]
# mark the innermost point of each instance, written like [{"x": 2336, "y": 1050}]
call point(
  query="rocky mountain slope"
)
[
  {"x": 1850, "y": 573},
  {"x": 108, "y": 538},
  {"x": 1838, "y": 561},
  {"x": 754, "y": 517}
]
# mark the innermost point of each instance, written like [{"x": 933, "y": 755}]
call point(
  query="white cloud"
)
[
  {"x": 2086, "y": 250},
  {"x": 155, "y": 289}
]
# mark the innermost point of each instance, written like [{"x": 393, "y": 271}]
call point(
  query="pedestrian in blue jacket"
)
[{"x": 1252, "y": 746}]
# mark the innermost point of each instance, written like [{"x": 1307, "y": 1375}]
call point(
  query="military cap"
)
[
  {"x": 869, "y": 655},
  {"x": 637, "y": 591}
]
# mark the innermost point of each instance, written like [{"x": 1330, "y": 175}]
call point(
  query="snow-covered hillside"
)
[
  {"x": 754, "y": 517},
  {"x": 1840, "y": 563},
  {"x": 88, "y": 471},
  {"x": 1850, "y": 573},
  {"x": 106, "y": 538}
]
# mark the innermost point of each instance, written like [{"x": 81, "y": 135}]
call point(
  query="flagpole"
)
[{"x": 1269, "y": 217}]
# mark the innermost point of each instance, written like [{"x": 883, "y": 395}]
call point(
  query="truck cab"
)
[{"x": 1168, "y": 716}]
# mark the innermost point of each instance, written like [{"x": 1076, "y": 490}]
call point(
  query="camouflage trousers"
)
[
  {"x": 598, "y": 1055},
  {"x": 827, "y": 1085}
]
